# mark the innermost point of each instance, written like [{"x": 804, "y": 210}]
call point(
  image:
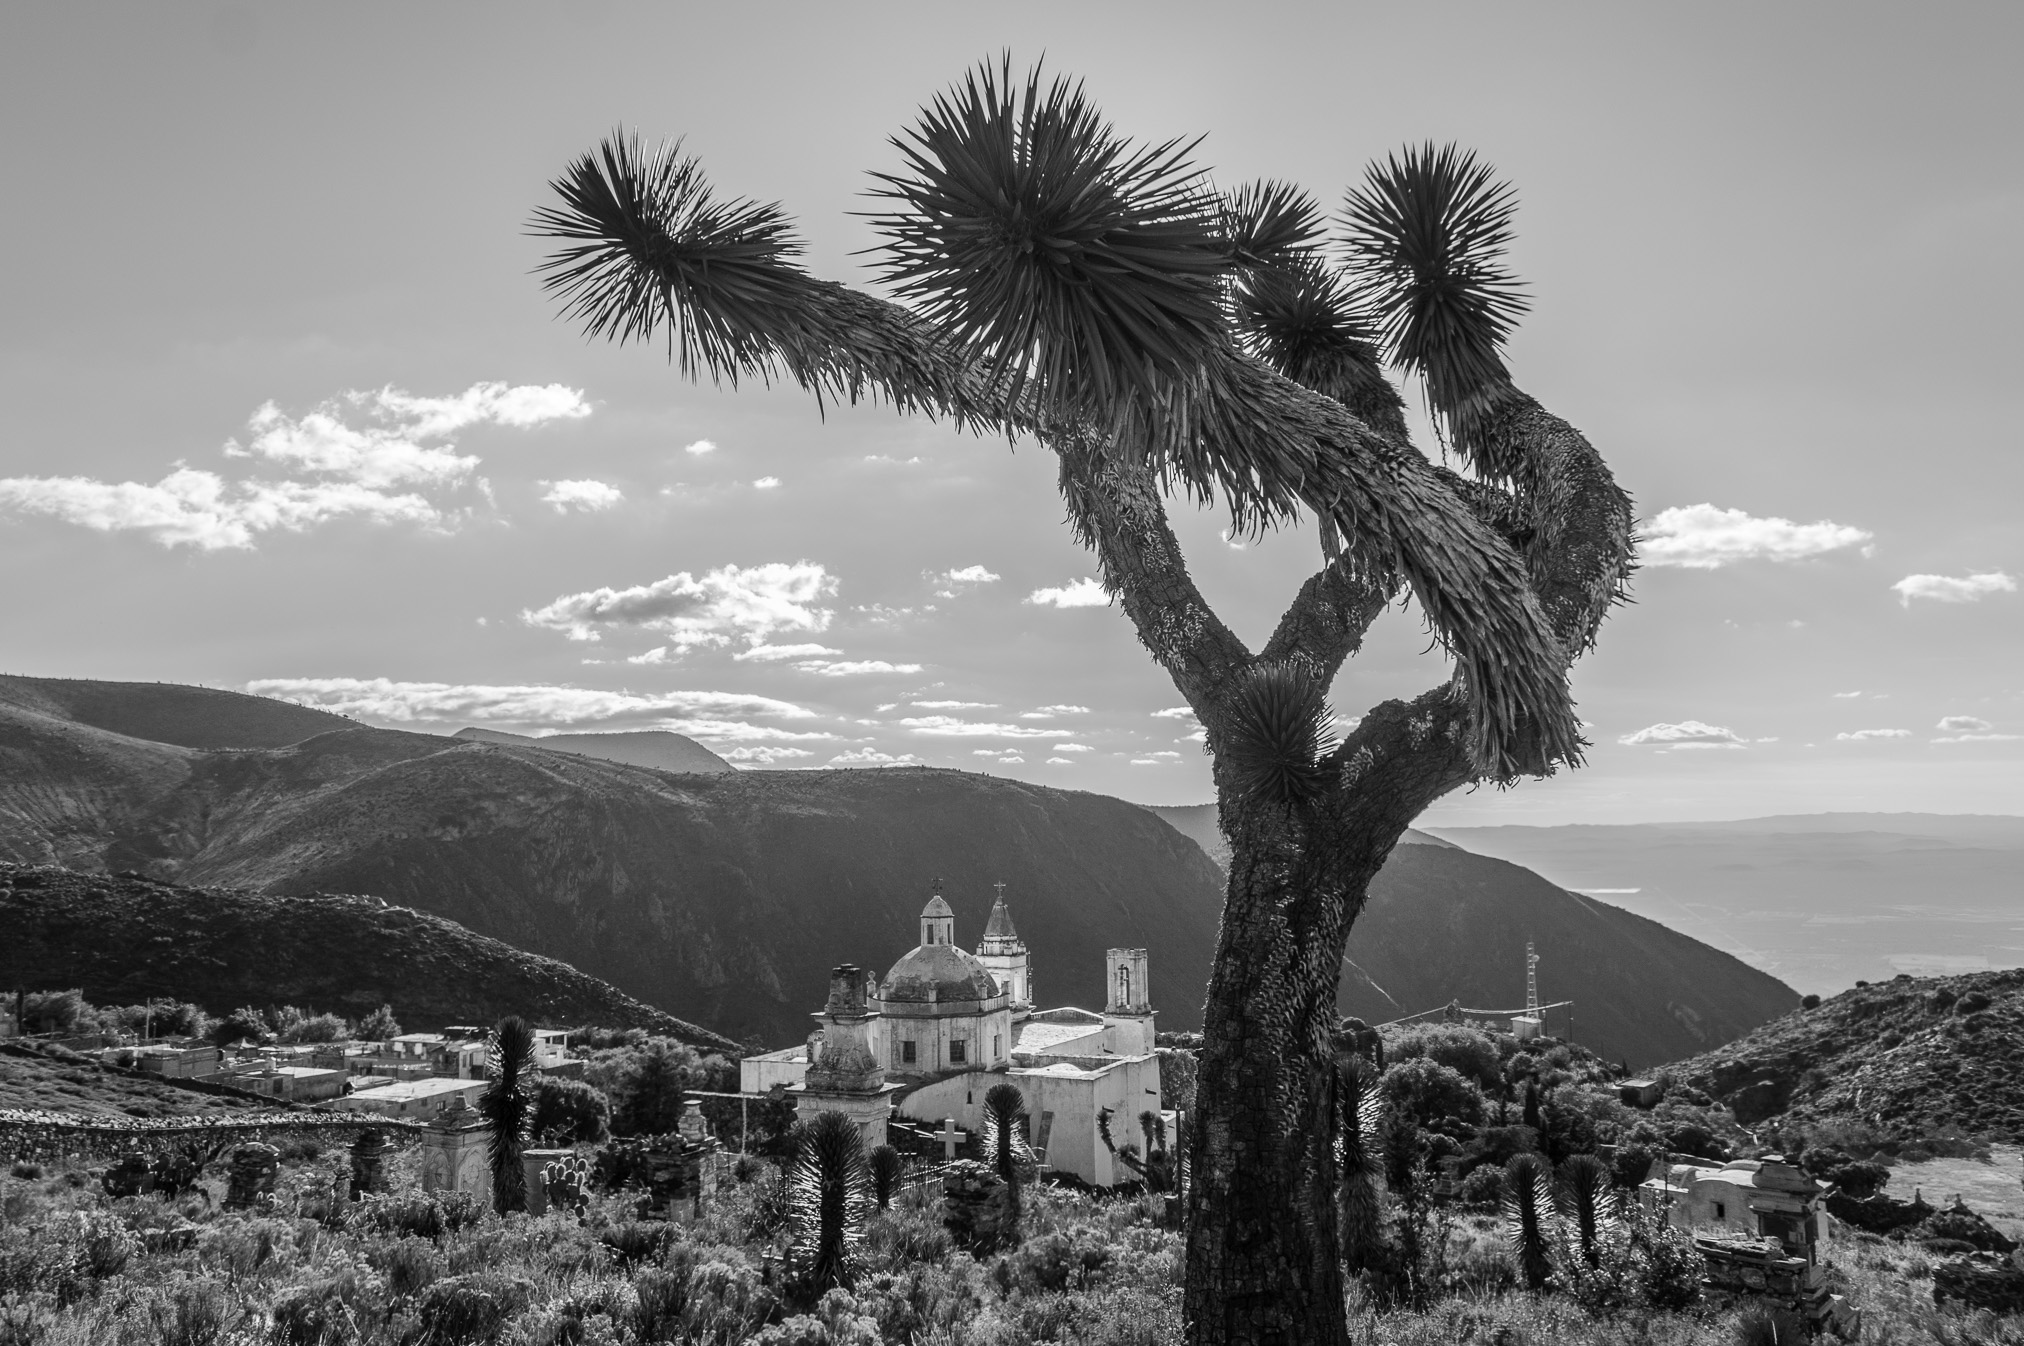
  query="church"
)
[{"x": 944, "y": 1025}]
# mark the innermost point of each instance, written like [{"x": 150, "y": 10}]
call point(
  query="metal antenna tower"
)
[{"x": 1531, "y": 981}]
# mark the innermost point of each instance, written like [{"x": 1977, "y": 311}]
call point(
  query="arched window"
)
[{"x": 1123, "y": 987}]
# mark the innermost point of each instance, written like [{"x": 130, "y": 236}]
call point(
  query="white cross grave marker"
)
[{"x": 950, "y": 1138}]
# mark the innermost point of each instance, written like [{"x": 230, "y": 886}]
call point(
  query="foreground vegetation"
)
[{"x": 77, "y": 1266}]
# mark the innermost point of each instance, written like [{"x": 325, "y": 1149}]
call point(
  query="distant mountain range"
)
[
  {"x": 1818, "y": 900},
  {"x": 724, "y": 897},
  {"x": 122, "y": 939}
]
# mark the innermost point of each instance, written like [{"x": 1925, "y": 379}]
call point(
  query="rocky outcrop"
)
[{"x": 1907, "y": 1058}]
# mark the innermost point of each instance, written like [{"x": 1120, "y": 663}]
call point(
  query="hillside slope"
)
[
  {"x": 1905, "y": 1057},
  {"x": 725, "y": 898},
  {"x": 656, "y": 748},
  {"x": 168, "y": 712},
  {"x": 1442, "y": 923},
  {"x": 124, "y": 939}
]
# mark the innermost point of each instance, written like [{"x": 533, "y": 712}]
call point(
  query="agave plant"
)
[
  {"x": 507, "y": 1105},
  {"x": 828, "y": 1199},
  {"x": 1161, "y": 338},
  {"x": 1528, "y": 1206}
]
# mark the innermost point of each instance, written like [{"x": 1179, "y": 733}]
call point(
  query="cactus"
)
[{"x": 567, "y": 1183}]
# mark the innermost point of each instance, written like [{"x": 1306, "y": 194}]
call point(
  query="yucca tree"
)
[
  {"x": 1053, "y": 281},
  {"x": 829, "y": 1199},
  {"x": 508, "y": 1106},
  {"x": 1528, "y": 1206},
  {"x": 886, "y": 1168}
]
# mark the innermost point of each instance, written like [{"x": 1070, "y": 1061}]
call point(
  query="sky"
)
[{"x": 286, "y": 411}]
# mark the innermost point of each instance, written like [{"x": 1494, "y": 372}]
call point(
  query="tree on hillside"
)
[{"x": 1161, "y": 338}]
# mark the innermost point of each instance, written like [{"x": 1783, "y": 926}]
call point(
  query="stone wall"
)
[{"x": 49, "y": 1137}]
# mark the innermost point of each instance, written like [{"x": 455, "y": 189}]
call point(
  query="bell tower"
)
[
  {"x": 1128, "y": 1013},
  {"x": 1004, "y": 955}
]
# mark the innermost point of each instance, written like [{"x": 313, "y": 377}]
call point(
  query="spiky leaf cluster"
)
[
  {"x": 886, "y": 1168},
  {"x": 1054, "y": 254},
  {"x": 646, "y": 240},
  {"x": 1277, "y": 733},
  {"x": 828, "y": 1199},
  {"x": 1585, "y": 1198},
  {"x": 507, "y": 1105},
  {"x": 1005, "y": 1119},
  {"x": 1528, "y": 1206},
  {"x": 1425, "y": 236}
]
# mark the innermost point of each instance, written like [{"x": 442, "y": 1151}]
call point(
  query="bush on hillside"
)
[
  {"x": 1467, "y": 1051},
  {"x": 1437, "y": 1098},
  {"x": 569, "y": 1112}
]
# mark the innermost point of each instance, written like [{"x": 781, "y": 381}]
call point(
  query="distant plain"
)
[{"x": 1820, "y": 901}]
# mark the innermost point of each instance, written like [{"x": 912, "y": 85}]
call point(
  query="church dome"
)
[{"x": 937, "y": 973}]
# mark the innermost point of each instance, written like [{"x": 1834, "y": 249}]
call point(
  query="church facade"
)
[{"x": 944, "y": 1025}]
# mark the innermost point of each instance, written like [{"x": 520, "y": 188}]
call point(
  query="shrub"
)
[
  {"x": 1809, "y": 1002},
  {"x": 409, "y": 1264},
  {"x": 1484, "y": 1188},
  {"x": 241, "y": 1025},
  {"x": 1465, "y": 1051},
  {"x": 569, "y": 1112},
  {"x": 380, "y": 1025},
  {"x": 471, "y": 1308},
  {"x": 195, "y": 1313},
  {"x": 637, "y": 1241},
  {"x": 1437, "y": 1097},
  {"x": 27, "y": 1169}
]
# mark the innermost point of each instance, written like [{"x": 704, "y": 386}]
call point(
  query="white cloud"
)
[
  {"x": 589, "y": 496},
  {"x": 750, "y": 602},
  {"x": 699, "y": 448},
  {"x": 1947, "y": 589},
  {"x": 700, "y": 714},
  {"x": 1082, "y": 593},
  {"x": 764, "y": 756},
  {"x": 194, "y": 508},
  {"x": 1685, "y": 734},
  {"x": 852, "y": 667},
  {"x": 1702, "y": 537},
  {"x": 1149, "y": 761},
  {"x": 770, "y": 654},
  {"x": 1846, "y": 696},
  {"x": 1073, "y": 747},
  {"x": 1175, "y": 713},
  {"x": 1980, "y": 738},
  {"x": 765, "y": 483},
  {"x": 871, "y": 757},
  {"x": 1199, "y": 736},
  {"x": 955, "y": 705},
  {"x": 955, "y": 581},
  {"x": 357, "y": 467},
  {"x": 657, "y": 655},
  {"x": 1870, "y": 735},
  {"x": 1963, "y": 724},
  {"x": 1060, "y": 761},
  {"x": 1049, "y": 712},
  {"x": 947, "y": 726},
  {"x": 890, "y": 460}
]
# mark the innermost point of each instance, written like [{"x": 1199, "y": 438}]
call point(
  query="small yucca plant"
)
[
  {"x": 1360, "y": 1157},
  {"x": 885, "y": 1166},
  {"x": 1585, "y": 1200},
  {"x": 508, "y": 1104},
  {"x": 1528, "y": 1205},
  {"x": 828, "y": 1199}
]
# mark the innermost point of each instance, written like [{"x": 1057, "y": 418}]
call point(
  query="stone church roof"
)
[
  {"x": 936, "y": 909},
  {"x": 937, "y": 973}
]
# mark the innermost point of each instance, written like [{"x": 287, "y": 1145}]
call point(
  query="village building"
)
[
  {"x": 421, "y": 1099},
  {"x": 944, "y": 1025}
]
